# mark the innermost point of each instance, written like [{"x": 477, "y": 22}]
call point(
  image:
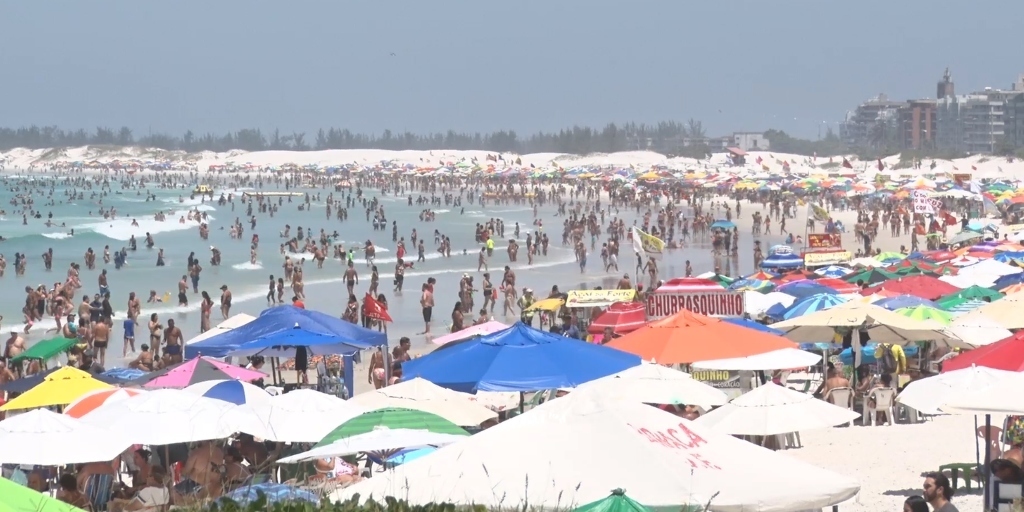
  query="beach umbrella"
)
[
  {"x": 382, "y": 442},
  {"x": 683, "y": 338},
  {"x": 234, "y": 322},
  {"x": 549, "y": 304},
  {"x": 616, "y": 502},
  {"x": 804, "y": 288},
  {"x": 274, "y": 493},
  {"x": 26, "y": 383},
  {"x": 46, "y": 438},
  {"x": 59, "y": 388},
  {"x": 93, "y": 399},
  {"x": 871, "y": 276},
  {"x": 833, "y": 271},
  {"x": 299, "y": 416},
  {"x": 972, "y": 292},
  {"x": 751, "y": 324},
  {"x": 838, "y": 285},
  {"x": 656, "y": 384},
  {"x": 46, "y": 349},
  {"x": 882, "y": 325},
  {"x": 757, "y": 304},
  {"x": 751, "y": 285},
  {"x": 890, "y": 256},
  {"x": 193, "y": 371},
  {"x": 422, "y": 395},
  {"x": 926, "y": 287},
  {"x": 926, "y": 313},
  {"x": 1013, "y": 288},
  {"x": 519, "y": 358},
  {"x": 1005, "y": 354},
  {"x": 405, "y": 456},
  {"x": 903, "y": 301},
  {"x": 471, "y": 332},
  {"x": 929, "y": 394},
  {"x": 978, "y": 330},
  {"x": 164, "y": 416},
  {"x": 679, "y": 464},
  {"x": 621, "y": 317},
  {"x": 781, "y": 359},
  {"x": 230, "y": 391},
  {"x": 1005, "y": 311},
  {"x": 813, "y": 303},
  {"x": 18, "y": 498},
  {"x": 771, "y": 409},
  {"x": 868, "y": 354},
  {"x": 960, "y": 306},
  {"x": 782, "y": 262},
  {"x": 393, "y": 418}
]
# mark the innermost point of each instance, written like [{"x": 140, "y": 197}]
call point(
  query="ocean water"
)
[{"x": 325, "y": 288}]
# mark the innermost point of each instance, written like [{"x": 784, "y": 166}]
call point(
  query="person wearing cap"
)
[{"x": 525, "y": 302}]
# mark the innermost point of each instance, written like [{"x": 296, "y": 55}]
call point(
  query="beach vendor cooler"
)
[{"x": 708, "y": 298}]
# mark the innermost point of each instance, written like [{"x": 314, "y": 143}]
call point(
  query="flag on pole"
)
[
  {"x": 646, "y": 244},
  {"x": 817, "y": 213},
  {"x": 847, "y": 164}
]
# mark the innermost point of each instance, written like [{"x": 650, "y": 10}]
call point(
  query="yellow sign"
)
[
  {"x": 818, "y": 259},
  {"x": 598, "y": 298}
]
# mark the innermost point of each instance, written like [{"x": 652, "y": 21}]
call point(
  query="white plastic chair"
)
[
  {"x": 842, "y": 396},
  {"x": 885, "y": 402}
]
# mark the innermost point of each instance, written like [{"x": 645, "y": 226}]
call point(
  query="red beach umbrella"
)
[
  {"x": 1005, "y": 354},
  {"x": 926, "y": 287},
  {"x": 622, "y": 317}
]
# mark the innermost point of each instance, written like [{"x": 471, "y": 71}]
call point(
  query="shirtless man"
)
[
  {"x": 833, "y": 379},
  {"x": 624, "y": 283},
  {"x": 15, "y": 345},
  {"x": 225, "y": 301},
  {"x": 201, "y": 473},
  {"x": 351, "y": 277},
  {"x": 173, "y": 341},
  {"x": 183, "y": 291},
  {"x": 100, "y": 340}
]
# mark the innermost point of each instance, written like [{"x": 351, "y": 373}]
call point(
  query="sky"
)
[{"x": 482, "y": 65}]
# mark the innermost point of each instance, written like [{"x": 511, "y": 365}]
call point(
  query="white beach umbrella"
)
[
  {"x": 163, "y": 416},
  {"x": 234, "y": 322},
  {"x": 656, "y": 384},
  {"x": 43, "y": 437},
  {"x": 756, "y": 303},
  {"x": 929, "y": 394},
  {"x": 573, "y": 449},
  {"x": 772, "y": 409},
  {"x": 423, "y": 395},
  {"x": 978, "y": 330},
  {"x": 775, "y": 360},
  {"x": 1003, "y": 396},
  {"x": 378, "y": 440},
  {"x": 300, "y": 416}
]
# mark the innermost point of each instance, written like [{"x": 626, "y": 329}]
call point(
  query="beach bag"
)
[{"x": 887, "y": 363}]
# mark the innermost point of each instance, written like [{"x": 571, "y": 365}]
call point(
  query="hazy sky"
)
[{"x": 482, "y": 65}]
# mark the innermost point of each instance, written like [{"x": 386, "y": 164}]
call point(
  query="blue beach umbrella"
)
[
  {"x": 812, "y": 304},
  {"x": 905, "y": 301},
  {"x": 805, "y": 288},
  {"x": 833, "y": 271}
]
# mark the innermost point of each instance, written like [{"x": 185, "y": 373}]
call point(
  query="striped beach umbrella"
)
[
  {"x": 833, "y": 271},
  {"x": 232, "y": 391},
  {"x": 90, "y": 401},
  {"x": 813, "y": 304},
  {"x": 927, "y": 313}
]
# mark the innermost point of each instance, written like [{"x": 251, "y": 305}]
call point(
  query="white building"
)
[{"x": 750, "y": 141}]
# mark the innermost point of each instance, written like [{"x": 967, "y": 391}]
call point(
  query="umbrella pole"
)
[{"x": 988, "y": 454}]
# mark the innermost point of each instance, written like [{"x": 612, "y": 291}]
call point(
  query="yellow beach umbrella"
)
[
  {"x": 58, "y": 388},
  {"x": 546, "y": 305}
]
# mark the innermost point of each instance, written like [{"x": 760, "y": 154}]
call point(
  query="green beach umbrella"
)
[
  {"x": 17, "y": 498},
  {"x": 871, "y": 276},
  {"x": 616, "y": 502},
  {"x": 722, "y": 280},
  {"x": 926, "y": 313},
  {"x": 393, "y": 418},
  {"x": 971, "y": 292},
  {"x": 890, "y": 255},
  {"x": 46, "y": 349}
]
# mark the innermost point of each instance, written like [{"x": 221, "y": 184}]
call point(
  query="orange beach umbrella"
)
[{"x": 688, "y": 337}]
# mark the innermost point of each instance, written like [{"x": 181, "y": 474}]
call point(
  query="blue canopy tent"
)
[
  {"x": 519, "y": 358},
  {"x": 291, "y": 326}
]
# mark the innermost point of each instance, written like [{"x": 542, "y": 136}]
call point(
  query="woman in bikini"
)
[{"x": 156, "y": 333}]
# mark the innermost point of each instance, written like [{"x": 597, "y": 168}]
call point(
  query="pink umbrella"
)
[
  {"x": 471, "y": 332},
  {"x": 200, "y": 369}
]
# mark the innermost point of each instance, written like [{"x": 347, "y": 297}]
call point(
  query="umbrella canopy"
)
[
  {"x": 230, "y": 391},
  {"x": 621, "y": 317},
  {"x": 285, "y": 343},
  {"x": 882, "y": 325},
  {"x": 299, "y": 416},
  {"x": 234, "y": 322},
  {"x": 926, "y": 313},
  {"x": 1002, "y": 397},
  {"x": 972, "y": 292},
  {"x": 686, "y": 337},
  {"x": 1006, "y": 311},
  {"x": 46, "y": 349},
  {"x": 379, "y": 440},
  {"x": 18, "y": 498},
  {"x": 813, "y": 303},
  {"x": 838, "y": 285},
  {"x": 929, "y": 394},
  {"x": 679, "y": 463},
  {"x": 782, "y": 262},
  {"x": 833, "y": 271},
  {"x": 978, "y": 330},
  {"x": 93, "y": 399},
  {"x": 392, "y": 418},
  {"x": 772, "y": 409},
  {"x": 471, "y": 332},
  {"x": 804, "y": 288},
  {"x": 904, "y": 301},
  {"x": 655, "y": 384},
  {"x": 194, "y": 371},
  {"x": 519, "y": 358},
  {"x": 163, "y": 416},
  {"x": 1006, "y": 354},
  {"x": 926, "y": 287},
  {"x": 59, "y": 388},
  {"x": 282, "y": 318},
  {"x": 422, "y": 395},
  {"x": 775, "y": 360},
  {"x": 617, "y": 502},
  {"x": 45, "y": 438},
  {"x": 750, "y": 324},
  {"x": 26, "y": 383},
  {"x": 871, "y": 276}
]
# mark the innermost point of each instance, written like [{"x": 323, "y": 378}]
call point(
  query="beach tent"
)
[
  {"x": 686, "y": 337},
  {"x": 234, "y": 322},
  {"x": 43, "y": 437},
  {"x": 573, "y": 450},
  {"x": 772, "y": 409},
  {"x": 519, "y": 358},
  {"x": 46, "y": 349},
  {"x": 18, "y": 498},
  {"x": 422, "y": 395},
  {"x": 299, "y": 416},
  {"x": 59, "y": 388},
  {"x": 651, "y": 383}
]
